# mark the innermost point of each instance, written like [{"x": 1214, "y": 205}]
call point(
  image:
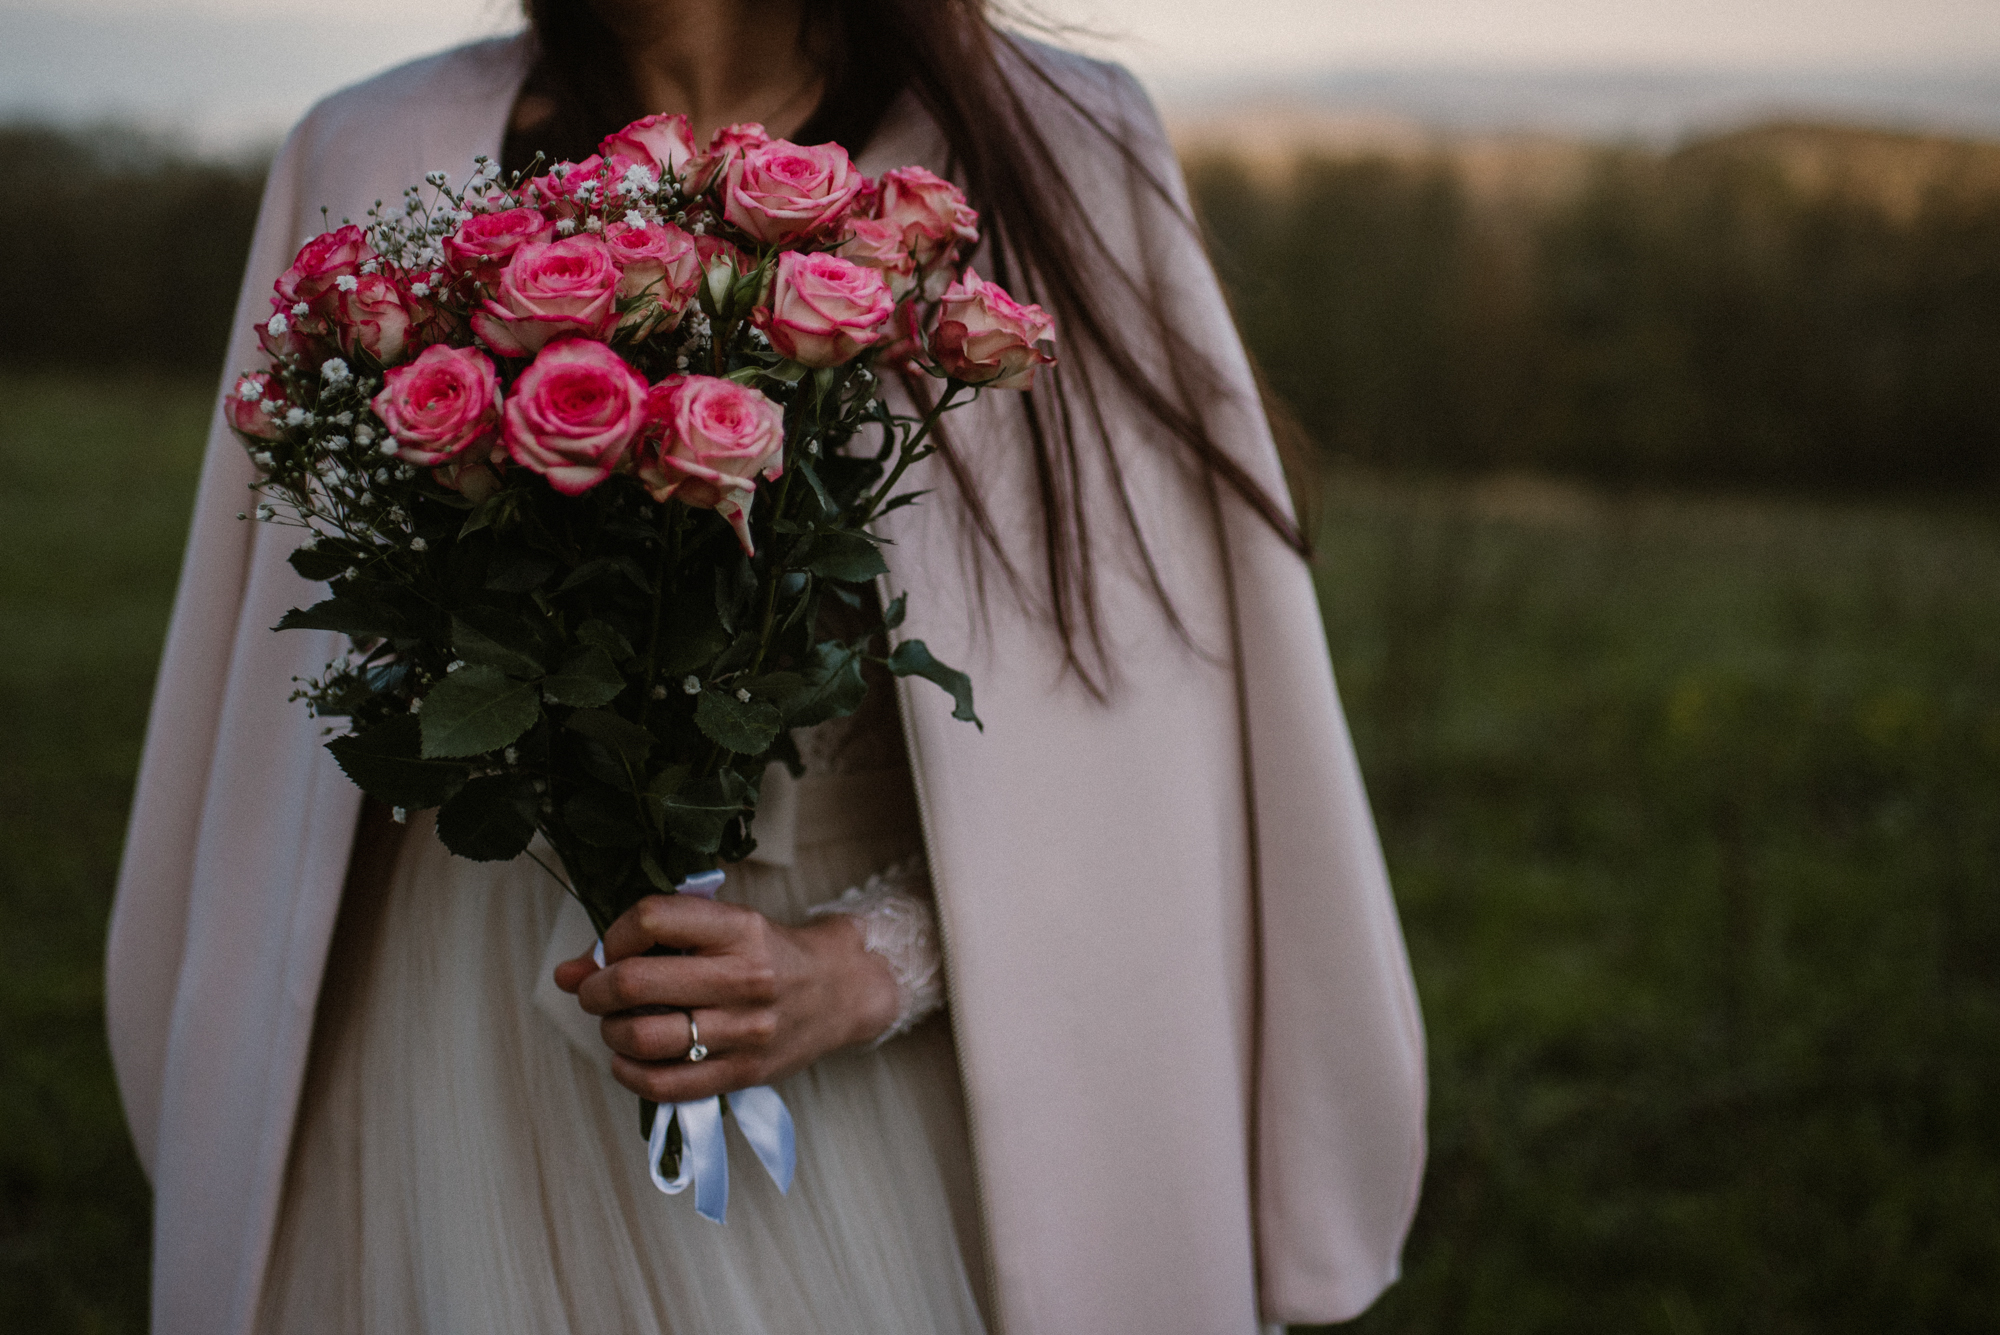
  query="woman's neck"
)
[{"x": 719, "y": 62}]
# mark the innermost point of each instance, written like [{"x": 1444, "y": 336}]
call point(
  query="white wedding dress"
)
[{"x": 464, "y": 1162}]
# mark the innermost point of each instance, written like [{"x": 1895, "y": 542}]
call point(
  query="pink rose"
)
[
  {"x": 370, "y": 314},
  {"x": 569, "y": 188},
  {"x": 573, "y": 413},
  {"x": 550, "y": 288},
  {"x": 724, "y": 148},
  {"x": 661, "y": 144},
  {"x": 440, "y": 405},
  {"x": 486, "y": 241},
  {"x": 657, "y": 259},
  {"x": 824, "y": 309},
  {"x": 253, "y": 406},
  {"x": 984, "y": 337},
  {"x": 706, "y": 440},
  {"x": 933, "y": 217},
  {"x": 780, "y": 191},
  {"x": 880, "y": 246},
  {"x": 286, "y": 333},
  {"x": 320, "y": 262}
]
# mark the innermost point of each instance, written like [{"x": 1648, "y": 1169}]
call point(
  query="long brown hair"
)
[{"x": 968, "y": 75}]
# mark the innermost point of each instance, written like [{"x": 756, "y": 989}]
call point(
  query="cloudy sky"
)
[{"x": 239, "y": 69}]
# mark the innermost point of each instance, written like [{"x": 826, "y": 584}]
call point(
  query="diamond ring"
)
[{"x": 696, "y": 1048}]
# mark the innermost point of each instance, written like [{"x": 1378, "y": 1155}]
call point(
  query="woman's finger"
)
[
  {"x": 673, "y": 980},
  {"x": 571, "y": 973},
  {"x": 681, "y": 922},
  {"x": 667, "y": 1038}
]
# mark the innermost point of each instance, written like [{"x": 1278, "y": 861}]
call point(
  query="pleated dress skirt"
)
[{"x": 464, "y": 1163}]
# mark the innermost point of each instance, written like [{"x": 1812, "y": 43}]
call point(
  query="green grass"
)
[
  {"x": 95, "y": 482},
  {"x": 1693, "y": 807}
]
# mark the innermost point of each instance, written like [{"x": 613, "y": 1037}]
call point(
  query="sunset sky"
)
[{"x": 244, "y": 68}]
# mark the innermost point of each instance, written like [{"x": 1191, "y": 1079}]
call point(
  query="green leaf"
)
[
  {"x": 603, "y": 566},
  {"x": 892, "y": 616},
  {"x": 316, "y": 563},
  {"x": 353, "y": 616},
  {"x": 777, "y": 687},
  {"x": 834, "y": 687},
  {"x": 485, "y": 513},
  {"x": 606, "y": 637},
  {"x": 847, "y": 556},
  {"x": 491, "y": 820},
  {"x": 475, "y": 710},
  {"x": 386, "y": 763},
  {"x": 745, "y": 727},
  {"x": 496, "y": 639},
  {"x": 626, "y": 739},
  {"x": 587, "y": 678},
  {"x": 604, "y": 818},
  {"x": 517, "y": 570},
  {"x": 912, "y": 659},
  {"x": 696, "y": 819}
]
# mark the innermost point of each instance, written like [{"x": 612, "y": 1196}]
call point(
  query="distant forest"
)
[{"x": 1799, "y": 307}]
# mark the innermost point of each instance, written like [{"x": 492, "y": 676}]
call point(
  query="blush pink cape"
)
[{"x": 1189, "y": 1040}]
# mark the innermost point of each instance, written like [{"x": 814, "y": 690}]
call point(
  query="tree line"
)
[{"x": 1700, "y": 316}]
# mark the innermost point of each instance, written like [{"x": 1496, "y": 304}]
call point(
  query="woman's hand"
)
[{"x": 769, "y": 1000}]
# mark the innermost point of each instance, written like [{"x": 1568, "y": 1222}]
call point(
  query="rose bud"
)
[
  {"x": 550, "y": 288},
  {"x": 573, "y": 413},
  {"x": 322, "y": 261},
  {"x": 371, "y": 315},
  {"x": 441, "y": 405},
  {"x": 781, "y": 191},
  {"x": 658, "y": 260},
  {"x": 824, "y": 309},
  {"x": 728, "y": 144},
  {"x": 662, "y": 144},
  {"x": 880, "y": 246},
  {"x": 984, "y": 337},
  {"x": 933, "y": 218},
  {"x": 253, "y": 405},
  {"x": 706, "y": 440},
  {"x": 475, "y": 476},
  {"x": 484, "y": 243}
]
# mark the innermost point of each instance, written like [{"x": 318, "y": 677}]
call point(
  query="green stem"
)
[
  {"x": 909, "y": 454},
  {"x": 670, "y": 560}
]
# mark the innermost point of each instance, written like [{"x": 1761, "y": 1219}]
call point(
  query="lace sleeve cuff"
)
[{"x": 897, "y": 923}]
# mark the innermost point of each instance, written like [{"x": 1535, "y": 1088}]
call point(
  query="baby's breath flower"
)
[
  {"x": 300, "y": 308},
  {"x": 333, "y": 370},
  {"x": 634, "y": 218},
  {"x": 743, "y": 695},
  {"x": 277, "y": 325},
  {"x": 691, "y": 684},
  {"x": 347, "y": 282},
  {"x": 417, "y": 544}
]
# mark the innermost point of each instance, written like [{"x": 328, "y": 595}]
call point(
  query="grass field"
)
[{"x": 1693, "y": 807}]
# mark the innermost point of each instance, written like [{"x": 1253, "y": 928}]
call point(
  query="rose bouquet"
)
[{"x": 581, "y": 453}]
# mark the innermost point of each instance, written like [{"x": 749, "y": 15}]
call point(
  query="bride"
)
[{"x": 1096, "y": 1021}]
